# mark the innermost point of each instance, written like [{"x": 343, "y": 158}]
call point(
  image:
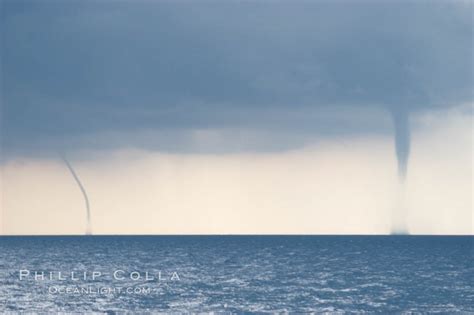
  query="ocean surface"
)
[{"x": 236, "y": 274}]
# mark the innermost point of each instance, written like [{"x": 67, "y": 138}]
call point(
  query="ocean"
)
[{"x": 237, "y": 274}]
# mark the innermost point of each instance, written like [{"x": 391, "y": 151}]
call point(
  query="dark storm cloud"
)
[{"x": 77, "y": 69}]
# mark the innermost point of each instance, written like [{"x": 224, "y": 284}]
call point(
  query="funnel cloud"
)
[{"x": 402, "y": 141}]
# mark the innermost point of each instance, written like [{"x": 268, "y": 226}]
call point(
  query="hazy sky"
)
[{"x": 237, "y": 117}]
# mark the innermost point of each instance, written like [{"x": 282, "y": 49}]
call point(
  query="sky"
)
[{"x": 338, "y": 117}]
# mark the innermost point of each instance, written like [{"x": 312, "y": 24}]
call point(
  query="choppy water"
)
[{"x": 240, "y": 273}]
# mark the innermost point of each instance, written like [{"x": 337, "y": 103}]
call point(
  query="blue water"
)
[{"x": 240, "y": 273}]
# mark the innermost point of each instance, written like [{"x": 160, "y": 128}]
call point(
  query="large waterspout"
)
[{"x": 402, "y": 148}]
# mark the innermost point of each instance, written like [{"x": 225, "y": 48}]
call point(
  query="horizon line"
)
[{"x": 227, "y": 235}]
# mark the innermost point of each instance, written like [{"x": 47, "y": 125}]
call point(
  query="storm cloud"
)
[{"x": 87, "y": 69}]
